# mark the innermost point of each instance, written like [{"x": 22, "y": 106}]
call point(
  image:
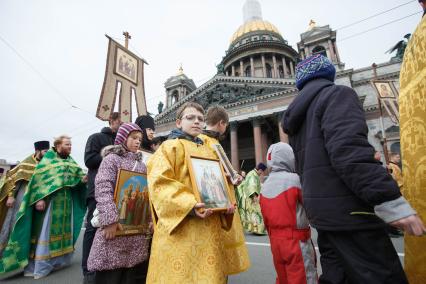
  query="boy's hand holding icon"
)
[{"x": 202, "y": 213}]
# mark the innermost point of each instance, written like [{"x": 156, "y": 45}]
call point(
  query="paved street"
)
[{"x": 261, "y": 271}]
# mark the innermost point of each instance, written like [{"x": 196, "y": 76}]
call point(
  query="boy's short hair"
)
[
  {"x": 216, "y": 114},
  {"x": 195, "y": 105}
]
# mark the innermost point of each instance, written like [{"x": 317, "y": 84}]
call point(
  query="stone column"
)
[
  {"x": 306, "y": 52},
  {"x": 329, "y": 54},
  {"x": 274, "y": 60},
  {"x": 285, "y": 68},
  {"x": 257, "y": 135},
  {"x": 168, "y": 102},
  {"x": 283, "y": 136},
  {"x": 265, "y": 145},
  {"x": 235, "y": 159},
  {"x": 252, "y": 66},
  {"x": 241, "y": 68},
  {"x": 333, "y": 55},
  {"x": 292, "y": 68},
  {"x": 263, "y": 66},
  {"x": 227, "y": 73},
  {"x": 180, "y": 93},
  {"x": 336, "y": 51},
  {"x": 233, "y": 70}
]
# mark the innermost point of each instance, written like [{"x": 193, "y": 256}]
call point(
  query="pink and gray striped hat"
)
[{"x": 124, "y": 131}]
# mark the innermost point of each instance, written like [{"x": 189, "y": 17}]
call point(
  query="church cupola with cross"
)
[
  {"x": 320, "y": 40},
  {"x": 177, "y": 87},
  {"x": 258, "y": 49}
]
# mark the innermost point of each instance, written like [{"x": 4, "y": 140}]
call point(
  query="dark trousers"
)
[
  {"x": 133, "y": 275},
  {"x": 89, "y": 234},
  {"x": 355, "y": 257}
]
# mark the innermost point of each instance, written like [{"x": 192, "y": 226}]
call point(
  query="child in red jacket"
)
[{"x": 285, "y": 219}]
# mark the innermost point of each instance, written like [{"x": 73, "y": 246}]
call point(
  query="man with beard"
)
[
  {"x": 50, "y": 217},
  {"x": 14, "y": 188},
  {"x": 92, "y": 159}
]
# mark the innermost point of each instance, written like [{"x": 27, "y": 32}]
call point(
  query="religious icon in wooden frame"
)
[
  {"x": 126, "y": 65},
  {"x": 388, "y": 95},
  {"x": 132, "y": 201},
  {"x": 209, "y": 182},
  {"x": 385, "y": 89}
]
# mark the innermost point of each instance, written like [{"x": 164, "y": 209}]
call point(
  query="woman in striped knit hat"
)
[{"x": 121, "y": 259}]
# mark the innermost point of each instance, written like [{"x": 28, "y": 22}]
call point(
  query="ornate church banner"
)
[{"x": 124, "y": 77}]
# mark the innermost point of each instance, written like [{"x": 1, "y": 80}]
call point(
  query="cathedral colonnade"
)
[
  {"x": 263, "y": 65},
  {"x": 260, "y": 137}
]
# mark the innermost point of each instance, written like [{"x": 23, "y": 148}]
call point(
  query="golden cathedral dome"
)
[{"x": 253, "y": 26}]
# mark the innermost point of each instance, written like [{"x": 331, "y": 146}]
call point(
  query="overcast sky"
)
[{"x": 64, "y": 41}]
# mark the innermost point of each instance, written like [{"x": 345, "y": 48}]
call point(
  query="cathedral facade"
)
[{"x": 255, "y": 83}]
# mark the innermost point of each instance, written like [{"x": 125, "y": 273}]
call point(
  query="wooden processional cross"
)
[
  {"x": 124, "y": 77},
  {"x": 127, "y": 36}
]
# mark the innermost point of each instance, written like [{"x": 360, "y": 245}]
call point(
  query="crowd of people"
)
[{"x": 327, "y": 176}]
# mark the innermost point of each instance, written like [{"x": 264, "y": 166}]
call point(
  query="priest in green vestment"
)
[
  {"x": 248, "y": 201},
  {"x": 50, "y": 217},
  {"x": 14, "y": 188}
]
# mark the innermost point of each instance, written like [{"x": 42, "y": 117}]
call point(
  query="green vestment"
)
[
  {"x": 22, "y": 172},
  {"x": 248, "y": 206},
  {"x": 59, "y": 182}
]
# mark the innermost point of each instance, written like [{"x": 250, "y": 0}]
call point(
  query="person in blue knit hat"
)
[
  {"x": 348, "y": 196},
  {"x": 314, "y": 67}
]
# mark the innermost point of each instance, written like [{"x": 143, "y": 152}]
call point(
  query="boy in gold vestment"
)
[{"x": 187, "y": 245}]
